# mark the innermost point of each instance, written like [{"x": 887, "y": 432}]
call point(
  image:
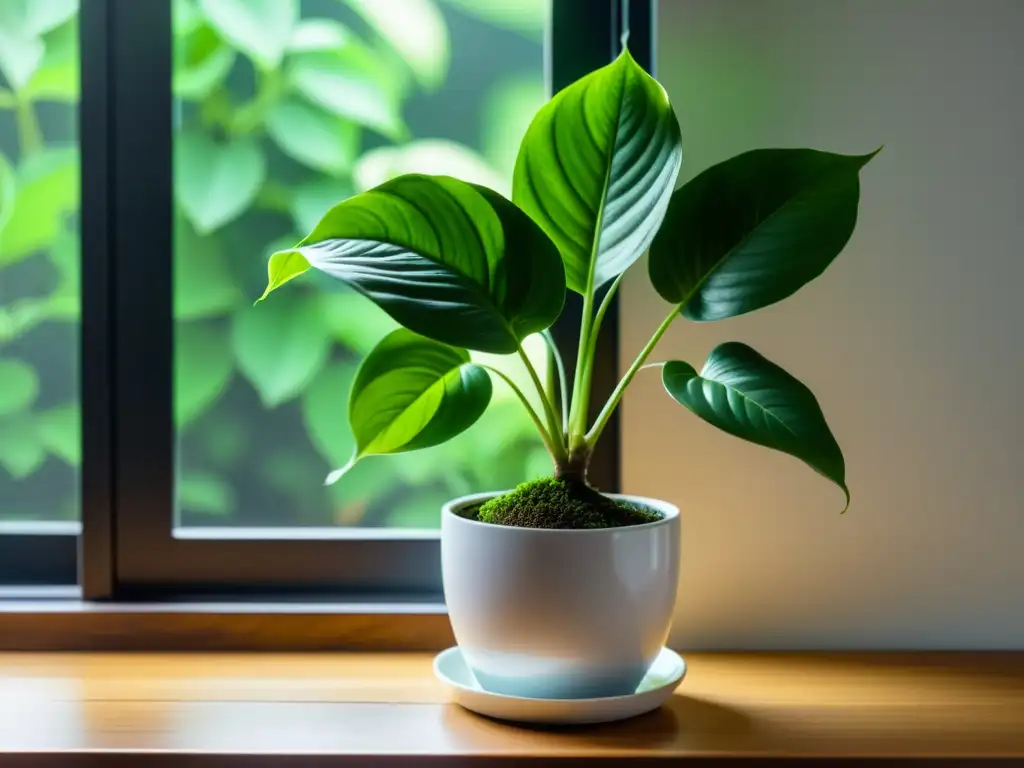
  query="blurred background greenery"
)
[{"x": 282, "y": 108}]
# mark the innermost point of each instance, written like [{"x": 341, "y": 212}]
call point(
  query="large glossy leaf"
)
[
  {"x": 281, "y": 346},
  {"x": 47, "y": 190},
  {"x": 748, "y": 396},
  {"x": 417, "y": 32},
  {"x": 411, "y": 393},
  {"x": 260, "y": 29},
  {"x": 751, "y": 231},
  {"x": 449, "y": 260},
  {"x": 214, "y": 183},
  {"x": 596, "y": 170},
  {"x": 19, "y": 386},
  {"x": 315, "y": 138},
  {"x": 202, "y": 368}
]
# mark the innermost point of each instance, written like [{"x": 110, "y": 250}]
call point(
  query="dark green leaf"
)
[
  {"x": 47, "y": 190},
  {"x": 348, "y": 86},
  {"x": 325, "y": 412},
  {"x": 449, "y": 260},
  {"x": 202, "y": 368},
  {"x": 280, "y": 346},
  {"x": 21, "y": 452},
  {"x": 417, "y": 32},
  {"x": 59, "y": 430},
  {"x": 748, "y": 396},
  {"x": 412, "y": 393},
  {"x": 258, "y": 28},
  {"x": 596, "y": 170},
  {"x": 206, "y": 493},
  {"x": 19, "y": 386},
  {"x": 203, "y": 286},
  {"x": 751, "y": 231},
  {"x": 317, "y": 139},
  {"x": 215, "y": 183}
]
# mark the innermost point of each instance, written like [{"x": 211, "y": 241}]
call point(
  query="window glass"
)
[
  {"x": 39, "y": 262},
  {"x": 284, "y": 108}
]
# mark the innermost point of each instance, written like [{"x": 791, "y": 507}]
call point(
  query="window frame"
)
[{"x": 127, "y": 549}]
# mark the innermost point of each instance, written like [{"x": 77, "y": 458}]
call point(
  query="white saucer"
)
[{"x": 654, "y": 690}]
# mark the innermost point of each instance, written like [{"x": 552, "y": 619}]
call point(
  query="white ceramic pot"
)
[{"x": 560, "y": 613}]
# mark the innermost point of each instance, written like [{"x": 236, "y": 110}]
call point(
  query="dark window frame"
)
[{"x": 127, "y": 549}]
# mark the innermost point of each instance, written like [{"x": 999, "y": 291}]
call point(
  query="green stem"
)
[
  {"x": 29, "y": 133},
  {"x": 613, "y": 401},
  {"x": 526, "y": 404},
  {"x": 580, "y": 395},
  {"x": 563, "y": 382},
  {"x": 554, "y": 430}
]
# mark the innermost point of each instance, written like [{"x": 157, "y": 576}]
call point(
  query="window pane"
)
[
  {"x": 283, "y": 109},
  {"x": 39, "y": 265}
]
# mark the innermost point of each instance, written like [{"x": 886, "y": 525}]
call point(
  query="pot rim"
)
[{"x": 669, "y": 512}]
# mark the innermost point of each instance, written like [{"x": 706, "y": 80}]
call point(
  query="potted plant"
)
[{"x": 554, "y": 589}]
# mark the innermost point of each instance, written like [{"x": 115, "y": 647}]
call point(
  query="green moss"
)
[{"x": 551, "y": 503}]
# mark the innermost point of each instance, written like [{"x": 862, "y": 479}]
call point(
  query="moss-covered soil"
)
[{"x": 552, "y": 503}]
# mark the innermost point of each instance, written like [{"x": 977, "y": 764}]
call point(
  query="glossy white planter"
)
[{"x": 560, "y": 613}]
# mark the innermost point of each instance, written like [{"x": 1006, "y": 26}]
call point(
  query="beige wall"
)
[{"x": 912, "y": 340}]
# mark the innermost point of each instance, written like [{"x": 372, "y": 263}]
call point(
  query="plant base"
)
[{"x": 554, "y": 503}]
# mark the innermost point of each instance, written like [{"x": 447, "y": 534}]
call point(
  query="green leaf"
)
[
  {"x": 21, "y": 452},
  {"x": 748, "y": 396},
  {"x": 258, "y": 28},
  {"x": 60, "y": 432},
  {"x": 412, "y": 393},
  {"x": 596, "y": 170},
  {"x": 201, "y": 62},
  {"x": 452, "y": 261},
  {"x": 47, "y": 190},
  {"x": 319, "y": 140},
  {"x": 203, "y": 286},
  {"x": 319, "y": 35},
  {"x": 310, "y": 200},
  {"x": 280, "y": 346},
  {"x": 215, "y": 183},
  {"x": 35, "y": 17},
  {"x": 751, "y": 231},
  {"x": 56, "y": 78},
  {"x": 527, "y": 17},
  {"x": 19, "y": 386},
  {"x": 325, "y": 413},
  {"x": 417, "y": 32},
  {"x": 350, "y": 88},
  {"x": 206, "y": 493},
  {"x": 507, "y": 111},
  {"x": 428, "y": 156},
  {"x": 19, "y": 57},
  {"x": 202, "y": 368}
]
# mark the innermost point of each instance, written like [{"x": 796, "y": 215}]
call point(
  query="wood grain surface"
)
[{"x": 333, "y": 709}]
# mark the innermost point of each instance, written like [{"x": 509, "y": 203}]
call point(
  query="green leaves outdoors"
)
[
  {"x": 449, "y": 260},
  {"x": 748, "y": 396},
  {"x": 596, "y": 170},
  {"x": 410, "y": 393},
  {"x": 215, "y": 183},
  {"x": 749, "y": 232}
]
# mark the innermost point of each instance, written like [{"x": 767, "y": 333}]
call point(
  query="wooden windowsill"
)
[{"x": 358, "y": 709}]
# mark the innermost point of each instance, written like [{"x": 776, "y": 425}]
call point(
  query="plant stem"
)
[
  {"x": 580, "y": 395},
  {"x": 554, "y": 430},
  {"x": 529, "y": 408},
  {"x": 29, "y": 132},
  {"x": 613, "y": 401},
  {"x": 563, "y": 382}
]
